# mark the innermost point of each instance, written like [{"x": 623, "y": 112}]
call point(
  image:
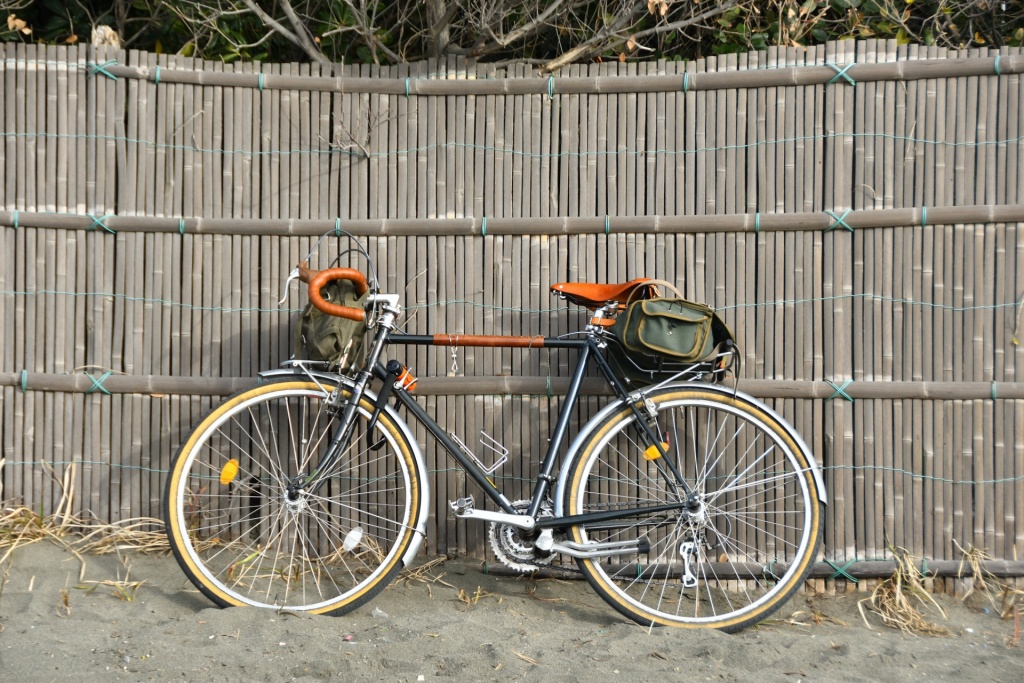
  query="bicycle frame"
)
[{"x": 588, "y": 348}]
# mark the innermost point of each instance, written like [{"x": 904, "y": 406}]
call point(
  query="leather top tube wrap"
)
[{"x": 324, "y": 277}]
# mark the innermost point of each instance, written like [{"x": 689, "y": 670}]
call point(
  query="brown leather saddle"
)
[{"x": 594, "y": 296}]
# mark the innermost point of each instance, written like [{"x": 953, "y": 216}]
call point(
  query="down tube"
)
[{"x": 454, "y": 450}]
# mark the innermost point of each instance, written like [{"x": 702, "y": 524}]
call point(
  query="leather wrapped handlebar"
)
[{"x": 318, "y": 280}]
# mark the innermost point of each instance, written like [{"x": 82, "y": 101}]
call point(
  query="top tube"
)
[{"x": 492, "y": 341}]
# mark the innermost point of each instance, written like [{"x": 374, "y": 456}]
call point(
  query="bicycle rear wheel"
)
[
  {"x": 747, "y": 546},
  {"x": 243, "y": 539}
]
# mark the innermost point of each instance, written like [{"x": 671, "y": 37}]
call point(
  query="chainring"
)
[{"x": 511, "y": 549}]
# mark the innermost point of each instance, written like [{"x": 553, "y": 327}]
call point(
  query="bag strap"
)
[{"x": 667, "y": 285}]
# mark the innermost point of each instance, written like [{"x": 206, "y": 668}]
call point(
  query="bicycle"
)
[{"x": 683, "y": 502}]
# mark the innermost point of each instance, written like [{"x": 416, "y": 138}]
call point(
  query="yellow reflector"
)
[
  {"x": 230, "y": 471},
  {"x": 652, "y": 452}
]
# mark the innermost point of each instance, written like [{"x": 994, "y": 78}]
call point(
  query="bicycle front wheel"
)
[
  {"x": 246, "y": 535},
  {"x": 741, "y": 547}
]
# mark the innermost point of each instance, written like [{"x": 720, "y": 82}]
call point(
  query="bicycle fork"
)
[{"x": 309, "y": 483}]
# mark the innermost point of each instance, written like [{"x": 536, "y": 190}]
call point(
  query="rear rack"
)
[{"x": 639, "y": 369}]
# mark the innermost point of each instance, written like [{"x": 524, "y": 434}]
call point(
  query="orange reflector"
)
[
  {"x": 652, "y": 452},
  {"x": 230, "y": 471},
  {"x": 406, "y": 380}
]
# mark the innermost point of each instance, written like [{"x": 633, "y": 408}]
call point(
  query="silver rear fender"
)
[{"x": 588, "y": 429}]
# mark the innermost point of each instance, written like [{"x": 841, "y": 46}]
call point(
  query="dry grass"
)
[
  {"x": 899, "y": 600},
  {"x": 1003, "y": 597},
  {"x": 476, "y": 596},
  {"x": 121, "y": 588},
  {"x": 425, "y": 574},
  {"x": 20, "y": 526}
]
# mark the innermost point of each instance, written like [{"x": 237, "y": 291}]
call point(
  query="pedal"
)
[{"x": 462, "y": 506}]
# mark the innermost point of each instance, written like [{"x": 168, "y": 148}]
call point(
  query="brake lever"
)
[{"x": 293, "y": 276}]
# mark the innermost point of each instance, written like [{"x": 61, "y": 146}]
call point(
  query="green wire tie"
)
[
  {"x": 259, "y": 81},
  {"x": 337, "y": 227},
  {"x": 994, "y": 393},
  {"x": 181, "y": 226},
  {"x": 483, "y": 227},
  {"x": 551, "y": 87},
  {"x": 95, "y": 68},
  {"x": 607, "y": 224},
  {"x": 995, "y": 65},
  {"x": 686, "y": 81},
  {"x": 98, "y": 222},
  {"x": 639, "y": 570},
  {"x": 547, "y": 382},
  {"x": 98, "y": 383},
  {"x": 840, "y": 391},
  {"x": 757, "y": 222},
  {"x": 840, "y": 73},
  {"x": 407, "y": 86},
  {"x": 840, "y": 221},
  {"x": 156, "y": 79},
  {"x": 15, "y": 220},
  {"x": 924, "y": 216},
  {"x": 24, "y": 381},
  {"x": 769, "y": 572},
  {"x": 841, "y": 572}
]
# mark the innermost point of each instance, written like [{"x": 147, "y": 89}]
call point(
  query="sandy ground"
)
[{"x": 416, "y": 631}]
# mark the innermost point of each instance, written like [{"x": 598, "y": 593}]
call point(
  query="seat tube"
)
[{"x": 544, "y": 479}]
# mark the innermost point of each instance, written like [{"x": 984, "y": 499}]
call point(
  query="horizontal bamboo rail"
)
[
  {"x": 567, "y": 225},
  {"x": 491, "y": 385},
  {"x": 551, "y": 86},
  {"x": 868, "y": 569}
]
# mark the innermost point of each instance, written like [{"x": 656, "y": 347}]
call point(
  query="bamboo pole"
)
[
  {"x": 429, "y": 385},
  {"x": 780, "y": 76},
  {"x": 566, "y": 225},
  {"x": 869, "y": 569}
]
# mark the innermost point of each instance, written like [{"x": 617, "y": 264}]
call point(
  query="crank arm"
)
[{"x": 638, "y": 546}]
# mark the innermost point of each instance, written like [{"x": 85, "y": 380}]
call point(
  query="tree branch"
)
[
  {"x": 610, "y": 36},
  {"x": 300, "y": 38}
]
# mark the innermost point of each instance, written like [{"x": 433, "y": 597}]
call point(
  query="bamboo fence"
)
[{"x": 854, "y": 211}]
